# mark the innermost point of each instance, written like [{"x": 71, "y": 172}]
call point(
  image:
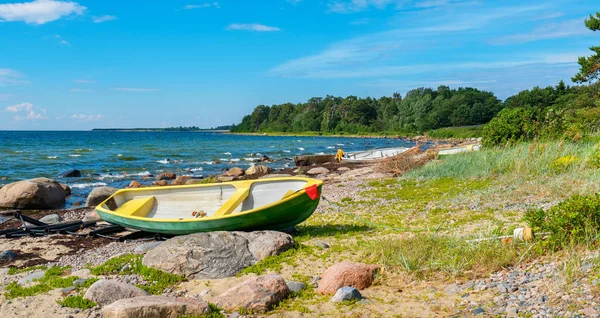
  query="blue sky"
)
[{"x": 88, "y": 64}]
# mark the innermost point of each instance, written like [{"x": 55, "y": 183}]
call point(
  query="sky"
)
[{"x": 67, "y": 65}]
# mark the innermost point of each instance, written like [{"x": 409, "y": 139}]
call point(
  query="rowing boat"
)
[
  {"x": 455, "y": 150},
  {"x": 268, "y": 204},
  {"x": 372, "y": 155}
]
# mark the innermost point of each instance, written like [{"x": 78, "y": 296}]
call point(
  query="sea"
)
[{"x": 114, "y": 158}]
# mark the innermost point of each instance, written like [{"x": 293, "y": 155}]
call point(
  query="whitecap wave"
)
[
  {"x": 341, "y": 145},
  {"x": 251, "y": 159},
  {"x": 87, "y": 185},
  {"x": 196, "y": 169},
  {"x": 74, "y": 155},
  {"x": 301, "y": 149},
  {"x": 321, "y": 153},
  {"x": 234, "y": 159},
  {"x": 51, "y": 157},
  {"x": 330, "y": 147},
  {"x": 120, "y": 155},
  {"x": 286, "y": 151},
  {"x": 168, "y": 161},
  {"x": 227, "y": 153}
]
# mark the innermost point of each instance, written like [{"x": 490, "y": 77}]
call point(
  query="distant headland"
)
[{"x": 220, "y": 129}]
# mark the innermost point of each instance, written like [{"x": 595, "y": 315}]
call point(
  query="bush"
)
[
  {"x": 573, "y": 221},
  {"x": 509, "y": 126}
]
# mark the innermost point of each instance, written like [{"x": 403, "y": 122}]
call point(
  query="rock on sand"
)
[
  {"x": 98, "y": 195},
  {"x": 39, "y": 193}
]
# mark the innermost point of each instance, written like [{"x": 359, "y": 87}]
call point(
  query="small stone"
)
[
  {"x": 3, "y": 271},
  {"x": 452, "y": 289},
  {"x": 590, "y": 311},
  {"x": 29, "y": 278},
  {"x": 295, "y": 286},
  {"x": 478, "y": 311},
  {"x": 502, "y": 288},
  {"x": 7, "y": 256},
  {"x": 68, "y": 290},
  {"x": 316, "y": 171},
  {"x": 51, "y": 219},
  {"x": 321, "y": 244},
  {"x": 346, "y": 293},
  {"x": 134, "y": 184},
  {"x": 512, "y": 311},
  {"x": 82, "y": 273},
  {"x": 79, "y": 282}
]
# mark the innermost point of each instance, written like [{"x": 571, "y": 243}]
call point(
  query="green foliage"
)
[
  {"x": 52, "y": 279},
  {"x": 132, "y": 264},
  {"x": 563, "y": 163},
  {"x": 14, "y": 270},
  {"x": 76, "y": 301},
  {"x": 422, "y": 109},
  {"x": 590, "y": 66},
  {"x": 274, "y": 263},
  {"x": 88, "y": 282},
  {"x": 457, "y": 132},
  {"x": 571, "y": 222},
  {"x": 510, "y": 126}
]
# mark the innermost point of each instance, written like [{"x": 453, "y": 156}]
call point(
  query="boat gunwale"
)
[{"x": 309, "y": 182}]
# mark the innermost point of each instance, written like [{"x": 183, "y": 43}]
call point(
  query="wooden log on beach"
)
[{"x": 313, "y": 159}]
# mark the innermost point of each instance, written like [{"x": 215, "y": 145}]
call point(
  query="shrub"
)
[
  {"x": 76, "y": 301},
  {"x": 563, "y": 163},
  {"x": 509, "y": 126},
  {"x": 576, "y": 220}
]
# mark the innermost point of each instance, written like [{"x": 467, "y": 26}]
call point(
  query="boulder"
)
[
  {"x": 271, "y": 176},
  {"x": 343, "y": 169},
  {"x": 107, "y": 291},
  {"x": 318, "y": 170},
  {"x": 181, "y": 180},
  {"x": 225, "y": 179},
  {"x": 156, "y": 306},
  {"x": 235, "y": 172},
  {"x": 67, "y": 189},
  {"x": 193, "y": 181},
  {"x": 98, "y": 195},
  {"x": 347, "y": 273},
  {"x": 73, "y": 173},
  {"x": 256, "y": 169},
  {"x": 39, "y": 193},
  {"x": 135, "y": 184},
  {"x": 51, "y": 219},
  {"x": 346, "y": 293},
  {"x": 215, "y": 254},
  {"x": 313, "y": 159},
  {"x": 257, "y": 294},
  {"x": 167, "y": 176},
  {"x": 160, "y": 183},
  {"x": 7, "y": 256}
]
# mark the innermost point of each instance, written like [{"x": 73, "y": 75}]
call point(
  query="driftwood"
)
[{"x": 408, "y": 160}]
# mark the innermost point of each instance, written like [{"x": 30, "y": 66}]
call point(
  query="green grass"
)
[
  {"x": 14, "y": 270},
  {"x": 430, "y": 255},
  {"x": 76, "y": 301},
  {"x": 456, "y": 132},
  {"x": 275, "y": 263},
  {"x": 132, "y": 264},
  {"x": 53, "y": 278}
]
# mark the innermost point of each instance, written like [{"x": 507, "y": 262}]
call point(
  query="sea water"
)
[{"x": 114, "y": 158}]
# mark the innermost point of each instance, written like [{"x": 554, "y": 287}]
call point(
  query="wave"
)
[
  {"x": 196, "y": 169},
  {"x": 83, "y": 150},
  {"x": 227, "y": 153},
  {"x": 251, "y": 159},
  {"x": 74, "y": 155},
  {"x": 87, "y": 185},
  {"x": 123, "y": 175},
  {"x": 119, "y": 155},
  {"x": 234, "y": 159},
  {"x": 51, "y": 157},
  {"x": 286, "y": 151},
  {"x": 301, "y": 149},
  {"x": 330, "y": 147},
  {"x": 168, "y": 161},
  {"x": 341, "y": 145}
]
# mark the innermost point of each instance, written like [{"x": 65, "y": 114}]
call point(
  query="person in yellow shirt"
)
[{"x": 339, "y": 155}]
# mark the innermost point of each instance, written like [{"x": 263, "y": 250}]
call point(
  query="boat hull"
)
[{"x": 278, "y": 216}]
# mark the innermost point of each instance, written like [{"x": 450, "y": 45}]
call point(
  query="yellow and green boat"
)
[{"x": 265, "y": 204}]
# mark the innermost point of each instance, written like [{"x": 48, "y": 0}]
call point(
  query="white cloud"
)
[
  {"x": 103, "y": 18},
  {"x": 134, "y": 89},
  {"x": 32, "y": 112},
  {"x": 10, "y": 76},
  {"x": 568, "y": 28},
  {"x": 61, "y": 40},
  {"x": 201, "y": 6},
  {"x": 39, "y": 11},
  {"x": 357, "y": 5},
  {"x": 87, "y": 117},
  {"x": 252, "y": 27}
]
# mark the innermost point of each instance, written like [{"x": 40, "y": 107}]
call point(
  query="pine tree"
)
[{"x": 590, "y": 66}]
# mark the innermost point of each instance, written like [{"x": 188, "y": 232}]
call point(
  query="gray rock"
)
[
  {"x": 156, "y": 306},
  {"x": 296, "y": 286},
  {"x": 346, "y": 293},
  {"x": 31, "y": 277},
  {"x": 317, "y": 171},
  {"x": 321, "y": 244},
  {"x": 452, "y": 289},
  {"x": 7, "y": 256},
  {"x": 258, "y": 169},
  {"x": 79, "y": 282},
  {"x": 502, "y": 288},
  {"x": 39, "y": 193},
  {"x": 512, "y": 311},
  {"x": 73, "y": 173},
  {"x": 215, "y": 254},
  {"x": 257, "y": 294},
  {"x": 68, "y": 290},
  {"x": 3, "y": 271},
  {"x": 478, "y": 311},
  {"x": 51, "y": 219},
  {"x": 343, "y": 169},
  {"x": 107, "y": 291},
  {"x": 98, "y": 195},
  {"x": 143, "y": 248},
  {"x": 82, "y": 273}
]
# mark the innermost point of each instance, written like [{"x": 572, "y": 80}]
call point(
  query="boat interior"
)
[{"x": 189, "y": 202}]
